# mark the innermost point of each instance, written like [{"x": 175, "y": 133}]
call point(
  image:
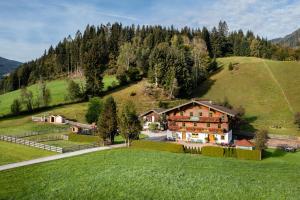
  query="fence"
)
[
  {"x": 33, "y": 133},
  {"x": 48, "y": 138},
  {"x": 80, "y": 147},
  {"x": 31, "y": 143}
]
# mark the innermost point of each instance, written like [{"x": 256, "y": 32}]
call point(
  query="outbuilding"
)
[
  {"x": 244, "y": 144},
  {"x": 56, "y": 119}
]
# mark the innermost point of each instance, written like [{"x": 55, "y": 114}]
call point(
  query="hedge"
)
[
  {"x": 230, "y": 152},
  {"x": 83, "y": 138},
  {"x": 192, "y": 150},
  {"x": 248, "y": 154},
  {"x": 159, "y": 146},
  {"x": 213, "y": 151}
]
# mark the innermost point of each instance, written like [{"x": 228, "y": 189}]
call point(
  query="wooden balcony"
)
[
  {"x": 197, "y": 129},
  {"x": 196, "y": 119}
]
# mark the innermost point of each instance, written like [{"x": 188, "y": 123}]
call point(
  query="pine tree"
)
[{"x": 107, "y": 124}]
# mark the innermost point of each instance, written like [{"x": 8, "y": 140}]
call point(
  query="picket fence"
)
[{"x": 31, "y": 143}]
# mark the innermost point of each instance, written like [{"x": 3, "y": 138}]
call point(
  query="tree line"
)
[{"x": 175, "y": 59}]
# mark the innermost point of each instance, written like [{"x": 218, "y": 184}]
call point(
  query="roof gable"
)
[{"x": 208, "y": 104}]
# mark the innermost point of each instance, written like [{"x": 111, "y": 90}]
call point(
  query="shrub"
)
[
  {"x": 213, "y": 151},
  {"x": 162, "y": 104},
  {"x": 94, "y": 110},
  {"x": 153, "y": 126},
  {"x": 230, "y": 66},
  {"x": 159, "y": 146},
  {"x": 297, "y": 119},
  {"x": 230, "y": 152},
  {"x": 15, "y": 107},
  {"x": 260, "y": 138},
  {"x": 192, "y": 150},
  {"x": 248, "y": 154},
  {"x": 132, "y": 94},
  {"x": 83, "y": 138}
]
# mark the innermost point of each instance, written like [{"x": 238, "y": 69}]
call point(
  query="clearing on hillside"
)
[{"x": 268, "y": 90}]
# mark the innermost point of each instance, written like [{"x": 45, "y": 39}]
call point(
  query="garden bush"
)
[
  {"x": 213, "y": 151},
  {"x": 159, "y": 146},
  {"x": 83, "y": 138},
  {"x": 248, "y": 154},
  {"x": 230, "y": 152}
]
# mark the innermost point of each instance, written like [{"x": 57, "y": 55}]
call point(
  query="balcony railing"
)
[
  {"x": 196, "y": 119},
  {"x": 197, "y": 129}
]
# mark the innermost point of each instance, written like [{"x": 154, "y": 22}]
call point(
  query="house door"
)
[
  {"x": 183, "y": 135},
  {"x": 52, "y": 119},
  {"x": 211, "y": 138}
]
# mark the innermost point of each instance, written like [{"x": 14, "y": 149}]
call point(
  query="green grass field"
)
[
  {"x": 268, "y": 90},
  {"x": 58, "y": 89},
  {"x": 10, "y": 153},
  {"x": 147, "y": 174}
]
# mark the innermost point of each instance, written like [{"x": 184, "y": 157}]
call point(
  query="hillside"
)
[
  {"x": 7, "y": 66},
  {"x": 292, "y": 40},
  {"x": 58, "y": 89},
  {"x": 268, "y": 90}
]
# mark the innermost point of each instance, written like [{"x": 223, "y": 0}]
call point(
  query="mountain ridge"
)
[
  {"x": 7, "y": 65},
  {"x": 291, "y": 40}
]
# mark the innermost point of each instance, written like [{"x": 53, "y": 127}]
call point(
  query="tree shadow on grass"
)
[
  {"x": 203, "y": 88},
  {"x": 247, "y": 130},
  {"x": 276, "y": 153}
]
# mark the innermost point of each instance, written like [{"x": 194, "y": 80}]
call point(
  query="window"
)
[
  {"x": 208, "y": 124},
  {"x": 222, "y": 137},
  {"x": 183, "y": 124},
  {"x": 200, "y": 114},
  {"x": 195, "y": 124},
  {"x": 191, "y": 114},
  {"x": 219, "y": 125},
  {"x": 210, "y": 114},
  {"x": 181, "y": 113}
]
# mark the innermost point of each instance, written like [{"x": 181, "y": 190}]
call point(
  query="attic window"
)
[
  {"x": 210, "y": 114},
  {"x": 191, "y": 114},
  {"x": 181, "y": 113}
]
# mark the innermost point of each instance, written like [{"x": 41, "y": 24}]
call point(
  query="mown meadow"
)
[{"x": 148, "y": 174}]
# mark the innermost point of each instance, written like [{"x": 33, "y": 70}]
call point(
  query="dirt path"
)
[
  {"x": 59, "y": 156},
  {"x": 278, "y": 84}
]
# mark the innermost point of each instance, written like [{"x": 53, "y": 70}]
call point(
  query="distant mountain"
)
[
  {"x": 6, "y": 66},
  {"x": 292, "y": 40}
]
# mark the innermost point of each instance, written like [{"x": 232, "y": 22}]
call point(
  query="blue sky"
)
[{"x": 27, "y": 27}]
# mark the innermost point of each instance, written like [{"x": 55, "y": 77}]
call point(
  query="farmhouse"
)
[
  {"x": 153, "y": 116},
  {"x": 195, "y": 121}
]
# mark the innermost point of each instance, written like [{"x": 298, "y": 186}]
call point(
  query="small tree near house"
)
[
  {"x": 15, "y": 107},
  {"x": 94, "y": 110},
  {"x": 261, "y": 138},
  {"x": 107, "y": 124},
  {"x": 129, "y": 123},
  {"x": 297, "y": 119}
]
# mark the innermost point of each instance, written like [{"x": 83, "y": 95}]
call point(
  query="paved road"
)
[{"x": 59, "y": 156}]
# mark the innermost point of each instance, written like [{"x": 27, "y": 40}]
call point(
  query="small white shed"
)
[
  {"x": 244, "y": 144},
  {"x": 57, "y": 119}
]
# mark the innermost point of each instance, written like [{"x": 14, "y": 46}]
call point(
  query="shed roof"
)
[{"x": 244, "y": 143}]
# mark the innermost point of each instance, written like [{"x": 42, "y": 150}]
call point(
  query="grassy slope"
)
[
  {"x": 15, "y": 153},
  {"x": 58, "y": 89},
  {"x": 141, "y": 174},
  {"x": 253, "y": 87}
]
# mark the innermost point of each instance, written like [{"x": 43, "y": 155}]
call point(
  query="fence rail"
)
[
  {"x": 31, "y": 143},
  {"x": 80, "y": 147},
  {"x": 33, "y": 133}
]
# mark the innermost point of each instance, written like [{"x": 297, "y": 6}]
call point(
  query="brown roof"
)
[
  {"x": 156, "y": 110},
  {"x": 209, "y": 104},
  {"x": 244, "y": 143}
]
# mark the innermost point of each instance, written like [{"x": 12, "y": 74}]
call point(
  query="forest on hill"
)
[
  {"x": 7, "y": 66},
  {"x": 291, "y": 40},
  {"x": 176, "y": 60}
]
